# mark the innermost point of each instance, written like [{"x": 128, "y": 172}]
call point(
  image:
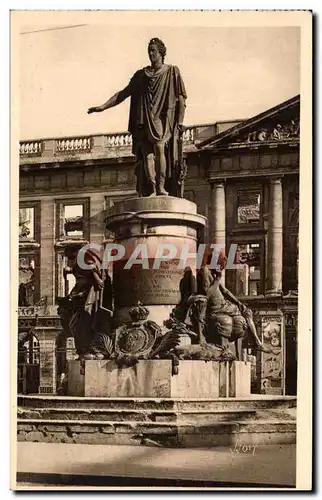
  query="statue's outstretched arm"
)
[
  {"x": 113, "y": 101},
  {"x": 230, "y": 296}
]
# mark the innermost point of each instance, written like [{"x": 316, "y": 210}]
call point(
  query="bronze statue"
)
[
  {"x": 189, "y": 316},
  {"x": 157, "y": 111},
  {"x": 227, "y": 317},
  {"x": 192, "y": 306},
  {"x": 81, "y": 311},
  {"x": 187, "y": 287},
  {"x": 210, "y": 314}
]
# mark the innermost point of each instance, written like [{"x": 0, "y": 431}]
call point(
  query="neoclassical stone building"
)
[{"x": 243, "y": 176}]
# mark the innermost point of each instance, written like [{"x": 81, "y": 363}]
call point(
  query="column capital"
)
[
  {"x": 276, "y": 179},
  {"x": 217, "y": 181}
]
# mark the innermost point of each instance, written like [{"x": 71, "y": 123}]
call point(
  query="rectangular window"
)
[
  {"x": 29, "y": 253},
  {"x": 27, "y": 223},
  {"x": 248, "y": 207},
  {"x": 28, "y": 293},
  {"x": 72, "y": 219},
  {"x": 249, "y": 278}
]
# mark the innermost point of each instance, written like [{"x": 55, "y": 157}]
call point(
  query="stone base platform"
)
[
  {"x": 158, "y": 422},
  {"x": 153, "y": 378}
]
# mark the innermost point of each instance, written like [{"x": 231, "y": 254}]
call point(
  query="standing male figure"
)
[{"x": 157, "y": 109}]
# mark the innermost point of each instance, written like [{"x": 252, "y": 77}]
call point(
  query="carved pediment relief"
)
[
  {"x": 278, "y": 124},
  {"x": 269, "y": 132}
]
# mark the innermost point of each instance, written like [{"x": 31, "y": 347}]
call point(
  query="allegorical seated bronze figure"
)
[
  {"x": 81, "y": 310},
  {"x": 213, "y": 313},
  {"x": 157, "y": 111},
  {"x": 227, "y": 319}
]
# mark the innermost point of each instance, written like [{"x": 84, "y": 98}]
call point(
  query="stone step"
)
[
  {"x": 157, "y": 433},
  {"x": 114, "y": 414},
  {"x": 236, "y": 404}
]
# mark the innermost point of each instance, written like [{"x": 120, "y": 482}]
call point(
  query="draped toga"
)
[{"x": 154, "y": 111}]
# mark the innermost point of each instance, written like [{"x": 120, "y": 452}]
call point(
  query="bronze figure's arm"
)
[
  {"x": 113, "y": 101},
  {"x": 181, "y": 110},
  {"x": 231, "y": 297}
]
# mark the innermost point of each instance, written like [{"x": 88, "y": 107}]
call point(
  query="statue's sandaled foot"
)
[
  {"x": 152, "y": 195},
  {"x": 162, "y": 192}
]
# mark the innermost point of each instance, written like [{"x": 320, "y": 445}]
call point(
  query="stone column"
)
[
  {"x": 47, "y": 250},
  {"x": 218, "y": 216},
  {"x": 275, "y": 239}
]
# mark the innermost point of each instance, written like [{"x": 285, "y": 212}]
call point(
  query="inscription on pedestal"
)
[{"x": 149, "y": 286}]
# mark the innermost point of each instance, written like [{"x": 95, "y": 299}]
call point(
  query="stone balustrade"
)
[
  {"x": 121, "y": 139},
  {"x": 74, "y": 144},
  {"x": 94, "y": 144},
  {"x": 188, "y": 135},
  {"x": 33, "y": 148}
]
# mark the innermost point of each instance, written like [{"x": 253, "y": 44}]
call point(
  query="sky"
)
[{"x": 229, "y": 73}]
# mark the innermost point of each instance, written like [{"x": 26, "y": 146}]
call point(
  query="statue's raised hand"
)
[{"x": 93, "y": 109}]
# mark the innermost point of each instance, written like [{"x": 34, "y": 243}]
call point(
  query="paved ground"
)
[{"x": 42, "y": 465}]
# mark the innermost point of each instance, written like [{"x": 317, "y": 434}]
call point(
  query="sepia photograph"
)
[{"x": 161, "y": 328}]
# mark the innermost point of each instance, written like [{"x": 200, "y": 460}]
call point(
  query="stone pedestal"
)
[
  {"x": 154, "y": 379},
  {"x": 149, "y": 229}
]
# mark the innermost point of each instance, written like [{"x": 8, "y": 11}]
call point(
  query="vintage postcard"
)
[{"x": 161, "y": 169}]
